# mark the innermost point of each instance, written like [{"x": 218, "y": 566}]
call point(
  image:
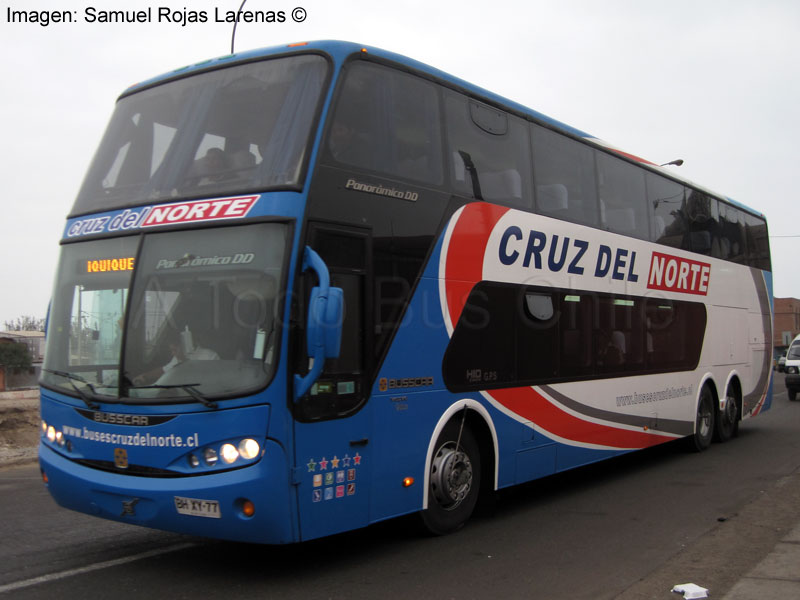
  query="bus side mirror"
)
[{"x": 324, "y": 326}]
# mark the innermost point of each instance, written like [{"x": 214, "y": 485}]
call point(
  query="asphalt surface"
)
[{"x": 770, "y": 525}]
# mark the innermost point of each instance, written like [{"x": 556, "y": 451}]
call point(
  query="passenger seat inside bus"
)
[
  {"x": 504, "y": 186},
  {"x": 551, "y": 199},
  {"x": 618, "y": 220}
]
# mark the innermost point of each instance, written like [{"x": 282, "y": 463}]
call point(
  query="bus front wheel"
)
[
  {"x": 704, "y": 422},
  {"x": 454, "y": 480}
]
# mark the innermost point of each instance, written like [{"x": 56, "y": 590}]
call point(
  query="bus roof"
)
[{"x": 339, "y": 51}]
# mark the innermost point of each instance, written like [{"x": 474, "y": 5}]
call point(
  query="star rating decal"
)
[{"x": 338, "y": 479}]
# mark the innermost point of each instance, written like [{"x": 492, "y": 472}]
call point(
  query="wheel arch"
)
[
  {"x": 706, "y": 381},
  {"x": 480, "y": 422}
]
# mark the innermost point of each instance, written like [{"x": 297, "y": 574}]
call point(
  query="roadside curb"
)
[
  {"x": 735, "y": 552},
  {"x": 18, "y": 457}
]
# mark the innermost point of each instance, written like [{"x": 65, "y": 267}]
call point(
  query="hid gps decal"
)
[{"x": 131, "y": 219}]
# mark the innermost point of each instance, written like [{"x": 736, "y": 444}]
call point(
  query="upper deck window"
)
[
  {"x": 491, "y": 144},
  {"x": 387, "y": 121},
  {"x": 224, "y": 131}
]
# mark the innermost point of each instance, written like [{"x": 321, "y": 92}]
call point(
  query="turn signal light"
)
[{"x": 408, "y": 482}]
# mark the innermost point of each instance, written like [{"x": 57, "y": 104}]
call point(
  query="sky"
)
[{"x": 713, "y": 82}]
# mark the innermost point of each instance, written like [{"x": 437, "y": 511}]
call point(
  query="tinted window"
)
[
  {"x": 511, "y": 335},
  {"x": 495, "y": 144},
  {"x": 565, "y": 177},
  {"x": 701, "y": 215},
  {"x": 666, "y": 200},
  {"x": 623, "y": 202},
  {"x": 757, "y": 242},
  {"x": 226, "y": 130},
  {"x": 387, "y": 121},
  {"x": 732, "y": 233}
]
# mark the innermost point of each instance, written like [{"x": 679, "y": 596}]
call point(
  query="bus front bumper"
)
[{"x": 153, "y": 502}]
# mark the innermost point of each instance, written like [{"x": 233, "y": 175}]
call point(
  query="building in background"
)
[
  {"x": 14, "y": 378},
  {"x": 786, "y": 322}
]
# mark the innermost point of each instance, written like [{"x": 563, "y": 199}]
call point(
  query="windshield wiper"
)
[
  {"x": 189, "y": 388},
  {"x": 72, "y": 378}
]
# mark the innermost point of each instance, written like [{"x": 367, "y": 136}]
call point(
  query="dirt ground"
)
[
  {"x": 19, "y": 430},
  {"x": 19, "y": 427}
]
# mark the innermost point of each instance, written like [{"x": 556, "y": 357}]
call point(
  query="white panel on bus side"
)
[{"x": 726, "y": 334}]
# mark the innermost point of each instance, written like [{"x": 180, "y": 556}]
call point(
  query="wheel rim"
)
[
  {"x": 704, "y": 416},
  {"x": 451, "y": 476},
  {"x": 730, "y": 409}
]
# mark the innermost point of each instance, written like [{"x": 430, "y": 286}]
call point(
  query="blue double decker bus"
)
[{"x": 310, "y": 288}]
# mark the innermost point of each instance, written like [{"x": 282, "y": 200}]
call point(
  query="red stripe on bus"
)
[
  {"x": 531, "y": 405},
  {"x": 464, "y": 260}
]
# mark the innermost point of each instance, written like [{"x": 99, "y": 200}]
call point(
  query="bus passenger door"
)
[{"x": 332, "y": 421}]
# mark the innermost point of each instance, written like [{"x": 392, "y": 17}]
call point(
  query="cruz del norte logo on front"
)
[{"x": 165, "y": 214}]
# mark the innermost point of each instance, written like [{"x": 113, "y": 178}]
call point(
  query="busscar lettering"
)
[
  {"x": 406, "y": 382},
  {"x": 121, "y": 419}
]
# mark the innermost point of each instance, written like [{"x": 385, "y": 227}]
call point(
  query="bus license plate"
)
[{"x": 197, "y": 508}]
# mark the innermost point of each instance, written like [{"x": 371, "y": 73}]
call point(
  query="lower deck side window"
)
[{"x": 510, "y": 335}]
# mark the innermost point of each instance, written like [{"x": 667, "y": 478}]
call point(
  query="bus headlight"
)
[
  {"x": 51, "y": 434},
  {"x": 249, "y": 448},
  {"x": 224, "y": 454},
  {"x": 229, "y": 453}
]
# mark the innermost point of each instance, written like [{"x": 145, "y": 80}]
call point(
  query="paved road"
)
[{"x": 629, "y": 528}]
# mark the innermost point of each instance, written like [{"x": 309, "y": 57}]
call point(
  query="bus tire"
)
[
  {"x": 727, "y": 423},
  {"x": 704, "y": 422},
  {"x": 792, "y": 395},
  {"x": 454, "y": 480}
]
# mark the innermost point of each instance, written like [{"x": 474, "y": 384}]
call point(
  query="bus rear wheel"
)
[
  {"x": 727, "y": 425},
  {"x": 704, "y": 422},
  {"x": 454, "y": 480}
]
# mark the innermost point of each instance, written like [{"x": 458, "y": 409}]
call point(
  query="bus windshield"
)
[
  {"x": 229, "y": 130},
  {"x": 203, "y": 317}
]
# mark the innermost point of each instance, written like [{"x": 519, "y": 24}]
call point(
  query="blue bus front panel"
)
[
  {"x": 169, "y": 470},
  {"x": 216, "y": 501}
]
